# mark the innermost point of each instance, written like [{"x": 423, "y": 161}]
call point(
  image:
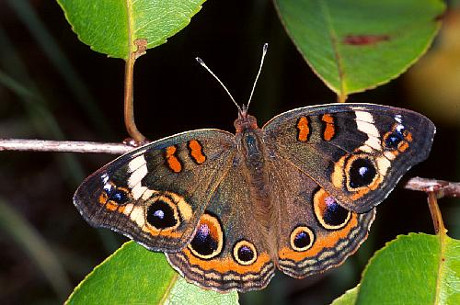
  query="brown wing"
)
[
  {"x": 229, "y": 250},
  {"x": 314, "y": 233},
  {"x": 356, "y": 152},
  {"x": 156, "y": 194}
]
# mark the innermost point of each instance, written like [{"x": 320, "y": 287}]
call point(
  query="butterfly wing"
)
[
  {"x": 314, "y": 233},
  {"x": 157, "y": 193},
  {"x": 355, "y": 152},
  {"x": 229, "y": 250}
]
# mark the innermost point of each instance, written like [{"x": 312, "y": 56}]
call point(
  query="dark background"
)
[{"x": 173, "y": 94}]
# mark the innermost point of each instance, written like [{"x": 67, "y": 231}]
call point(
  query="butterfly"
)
[{"x": 298, "y": 194}]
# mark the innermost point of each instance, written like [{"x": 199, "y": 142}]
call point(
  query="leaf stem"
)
[
  {"x": 436, "y": 215},
  {"x": 130, "y": 124}
]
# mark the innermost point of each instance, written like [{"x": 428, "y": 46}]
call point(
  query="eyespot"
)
[
  {"x": 162, "y": 214},
  {"x": 302, "y": 238},
  {"x": 209, "y": 238},
  {"x": 244, "y": 253},
  {"x": 392, "y": 139},
  {"x": 361, "y": 172},
  {"x": 120, "y": 196},
  {"x": 329, "y": 213},
  {"x": 114, "y": 195}
]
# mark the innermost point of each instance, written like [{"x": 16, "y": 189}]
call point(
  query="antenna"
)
[
  {"x": 264, "y": 52},
  {"x": 201, "y": 62},
  {"x": 245, "y": 108}
]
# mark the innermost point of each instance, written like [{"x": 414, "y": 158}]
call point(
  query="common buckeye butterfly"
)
[{"x": 298, "y": 194}]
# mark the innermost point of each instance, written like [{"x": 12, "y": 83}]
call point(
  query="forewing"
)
[
  {"x": 156, "y": 194},
  {"x": 356, "y": 152}
]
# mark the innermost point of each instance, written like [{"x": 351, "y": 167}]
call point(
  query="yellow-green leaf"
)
[
  {"x": 134, "y": 275},
  {"x": 113, "y": 27},
  {"x": 354, "y": 45},
  {"x": 348, "y": 298},
  {"x": 418, "y": 269}
]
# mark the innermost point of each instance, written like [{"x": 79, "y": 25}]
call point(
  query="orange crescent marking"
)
[
  {"x": 403, "y": 146},
  {"x": 121, "y": 209},
  {"x": 369, "y": 188},
  {"x": 304, "y": 129},
  {"x": 166, "y": 232},
  {"x": 173, "y": 162},
  {"x": 408, "y": 136},
  {"x": 224, "y": 265},
  {"x": 111, "y": 206},
  {"x": 329, "y": 130},
  {"x": 103, "y": 198},
  {"x": 321, "y": 242},
  {"x": 196, "y": 151}
]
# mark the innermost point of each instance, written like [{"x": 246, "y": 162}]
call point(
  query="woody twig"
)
[{"x": 440, "y": 187}]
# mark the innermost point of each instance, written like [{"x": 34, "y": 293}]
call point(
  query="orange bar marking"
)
[
  {"x": 173, "y": 162},
  {"x": 304, "y": 129},
  {"x": 196, "y": 151},
  {"x": 329, "y": 130}
]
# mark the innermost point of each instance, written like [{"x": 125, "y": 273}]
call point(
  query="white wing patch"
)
[
  {"x": 138, "y": 169},
  {"x": 365, "y": 123}
]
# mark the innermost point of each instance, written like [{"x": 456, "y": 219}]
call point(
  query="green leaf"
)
[
  {"x": 413, "y": 269},
  {"x": 134, "y": 275},
  {"x": 112, "y": 27},
  {"x": 355, "y": 45},
  {"x": 348, "y": 298},
  {"x": 185, "y": 293}
]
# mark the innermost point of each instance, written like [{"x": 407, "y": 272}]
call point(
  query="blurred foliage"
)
[
  {"x": 172, "y": 96},
  {"x": 437, "y": 76}
]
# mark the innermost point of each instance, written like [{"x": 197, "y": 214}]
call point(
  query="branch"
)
[
  {"x": 64, "y": 146},
  {"x": 440, "y": 187}
]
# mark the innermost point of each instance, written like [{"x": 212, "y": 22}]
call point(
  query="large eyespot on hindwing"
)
[
  {"x": 329, "y": 213},
  {"x": 208, "y": 241},
  {"x": 244, "y": 252},
  {"x": 302, "y": 238}
]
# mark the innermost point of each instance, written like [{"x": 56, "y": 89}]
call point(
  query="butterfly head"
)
[{"x": 245, "y": 121}]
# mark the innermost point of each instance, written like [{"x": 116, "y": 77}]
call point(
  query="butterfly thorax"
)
[{"x": 252, "y": 153}]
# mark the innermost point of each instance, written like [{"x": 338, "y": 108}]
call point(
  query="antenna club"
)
[
  {"x": 199, "y": 60},
  {"x": 264, "y": 52}
]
